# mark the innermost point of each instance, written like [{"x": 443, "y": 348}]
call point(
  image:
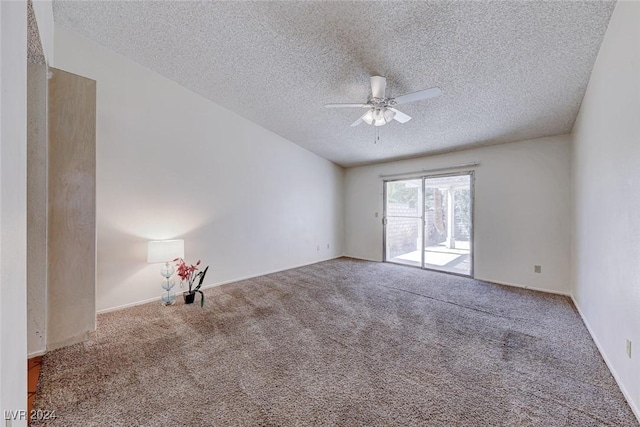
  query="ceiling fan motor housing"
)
[{"x": 381, "y": 109}]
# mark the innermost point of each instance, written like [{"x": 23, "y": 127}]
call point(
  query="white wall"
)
[
  {"x": 522, "y": 210},
  {"x": 606, "y": 150},
  {"x": 171, "y": 164},
  {"x": 36, "y": 186},
  {"x": 36, "y": 208},
  {"x": 13, "y": 215}
]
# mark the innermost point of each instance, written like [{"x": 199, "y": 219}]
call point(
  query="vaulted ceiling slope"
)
[{"x": 509, "y": 70}]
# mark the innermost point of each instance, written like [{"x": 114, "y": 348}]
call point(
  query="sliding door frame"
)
[{"x": 472, "y": 180}]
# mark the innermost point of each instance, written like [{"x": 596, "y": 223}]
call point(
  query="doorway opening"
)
[{"x": 428, "y": 222}]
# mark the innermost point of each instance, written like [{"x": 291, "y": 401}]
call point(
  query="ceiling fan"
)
[{"x": 381, "y": 110}]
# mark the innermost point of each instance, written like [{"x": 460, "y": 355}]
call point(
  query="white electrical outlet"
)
[
  {"x": 629, "y": 349},
  {"x": 537, "y": 269},
  {"x": 376, "y": 214},
  {"x": 318, "y": 247},
  {"x": 328, "y": 246}
]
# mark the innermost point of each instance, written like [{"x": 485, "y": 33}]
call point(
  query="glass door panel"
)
[
  {"x": 404, "y": 241},
  {"x": 448, "y": 224},
  {"x": 403, "y": 222}
]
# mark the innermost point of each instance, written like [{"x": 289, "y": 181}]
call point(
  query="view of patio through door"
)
[{"x": 429, "y": 222}]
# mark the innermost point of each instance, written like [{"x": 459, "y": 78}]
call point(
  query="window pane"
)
[
  {"x": 404, "y": 240},
  {"x": 403, "y": 198}
]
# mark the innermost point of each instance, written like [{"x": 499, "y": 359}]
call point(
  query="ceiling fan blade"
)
[
  {"x": 400, "y": 116},
  {"x": 360, "y": 120},
  {"x": 345, "y": 105},
  {"x": 419, "y": 95},
  {"x": 378, "y": 86}
]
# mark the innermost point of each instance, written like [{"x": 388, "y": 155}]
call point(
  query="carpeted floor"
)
[{"x": 343, "y": 342}]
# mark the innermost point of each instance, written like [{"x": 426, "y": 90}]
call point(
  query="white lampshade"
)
[
  {"x": 368, "y": 118},
  {"x": 165, "y": 250},
  {"x": 389, "y": 115},
  {"x": 379, "y": 116}
]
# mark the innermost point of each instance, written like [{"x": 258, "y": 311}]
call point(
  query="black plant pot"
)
[{"x": 189, "y": 298}]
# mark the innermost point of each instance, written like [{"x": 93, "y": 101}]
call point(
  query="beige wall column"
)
[
  {"x": 36, "y": 207},
  {"x": 72, "y": 208}
]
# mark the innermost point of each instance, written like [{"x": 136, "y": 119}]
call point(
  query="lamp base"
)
[{"x": 168, "y": 298}]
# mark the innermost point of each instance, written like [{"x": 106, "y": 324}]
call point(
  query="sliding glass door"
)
[{"x": 428, "y": 222}]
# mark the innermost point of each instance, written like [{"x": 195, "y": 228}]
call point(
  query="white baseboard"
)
[
  {"x": 362, "y": 259},
  {"x": 548, "y": 291},
  {"x": 626, "y": 394},
  {"x": 36, "y": 354},
  {"x": 531, "y": 288},
  {"x": 213, "y": 285},
  {"x": 131, "y": 304}
]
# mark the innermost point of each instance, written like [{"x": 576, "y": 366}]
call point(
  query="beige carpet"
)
[{"x": 342, "y": 342}]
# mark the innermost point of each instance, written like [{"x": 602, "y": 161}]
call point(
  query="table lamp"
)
[{"x": 166, "y": 251}]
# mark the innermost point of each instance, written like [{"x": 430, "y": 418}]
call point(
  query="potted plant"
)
[{"x": 188, "y": 274}]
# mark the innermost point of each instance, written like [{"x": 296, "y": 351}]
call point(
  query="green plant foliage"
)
[{"x": 197, "y": 288}]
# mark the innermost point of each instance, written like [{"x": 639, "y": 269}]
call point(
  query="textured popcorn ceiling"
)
[
  {"x": 510, "y": 71},
  {"x": 35, "y": 53}
]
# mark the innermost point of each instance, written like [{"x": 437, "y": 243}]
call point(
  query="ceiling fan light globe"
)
[
  {"x": 389, "y": 115},
  {"x": 380, "y": 122},
  {"x": 378, "y": 114},
  {"x": 368, "y": 118}
]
